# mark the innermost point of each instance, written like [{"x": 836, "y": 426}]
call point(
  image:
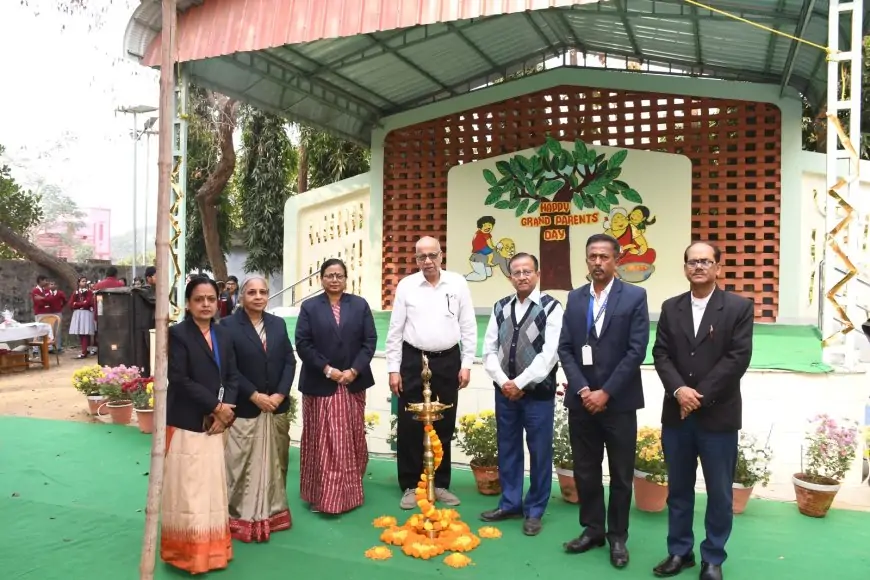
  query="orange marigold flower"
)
[
  {"x": 457, "y": 560},
  {"x": 379, "y": 553},
  {"x": 384, "y": 522},
  {"x": 489, "y": 532}
]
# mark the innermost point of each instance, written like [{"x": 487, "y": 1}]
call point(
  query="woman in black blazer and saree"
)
[
  {"x": 259, "y": 441},
  {"x": 195, "y": 533},
  {"x": 336, "y": 340}
]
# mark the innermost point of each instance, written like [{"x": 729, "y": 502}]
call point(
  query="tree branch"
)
[{"x": 33, "y": 253}]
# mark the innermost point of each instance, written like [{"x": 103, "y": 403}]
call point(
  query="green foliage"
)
[
  {"x": 203, "y": 154},
  {"x": 591, "y": 177},
  {"x": 21, "y": 209},
  {"x": 562, "y": 456},
  {"x": 331, "y": 158},
  {"x": 267, "y": 169}
]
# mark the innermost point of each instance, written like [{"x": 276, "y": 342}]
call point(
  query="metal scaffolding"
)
[
  {"x": 178, "y": 202},
  {"x": 845, "y": 211}
]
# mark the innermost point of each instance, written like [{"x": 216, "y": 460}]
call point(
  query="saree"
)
[
  {"x": 257, "y": 454},
  {"x": 334, "y": 454},
  {"x": 195, "y": 533}
]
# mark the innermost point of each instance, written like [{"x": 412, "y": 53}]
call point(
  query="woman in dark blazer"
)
[
  {"x": 336, "y": 340},
  {"x": 200, "y": 400},
  {"x": 259, "y": 441}
]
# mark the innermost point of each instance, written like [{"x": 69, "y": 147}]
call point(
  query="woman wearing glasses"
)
[{"x": 336, "y": 340}]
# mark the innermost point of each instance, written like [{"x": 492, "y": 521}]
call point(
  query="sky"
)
[{"x": 63, "y": 78}]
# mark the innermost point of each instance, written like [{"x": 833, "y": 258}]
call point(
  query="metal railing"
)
[{"x": 292, "y": 288}]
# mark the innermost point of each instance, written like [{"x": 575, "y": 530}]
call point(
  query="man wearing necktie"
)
[{"x": 604, "y": 338}]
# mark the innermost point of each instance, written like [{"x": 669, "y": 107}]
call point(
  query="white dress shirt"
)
[
  {"x": 699, "y": 306},
  {"x": 432, "y": 318},
  {"x": 543, "y": 363},
  {"x": 599, "y": 302}
]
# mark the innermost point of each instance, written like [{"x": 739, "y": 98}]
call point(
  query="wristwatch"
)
[{"x": 327, "y": 372}]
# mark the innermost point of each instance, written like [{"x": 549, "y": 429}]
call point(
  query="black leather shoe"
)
[
  {"x": 618, "y": 554},
  {"x": 710, "y": 572},
  {"x": 583, "y": 544},
  {"x": 673, "y": 565},
  {"x": 498, "y": 515},
  {"x": 532, "y": 526}
]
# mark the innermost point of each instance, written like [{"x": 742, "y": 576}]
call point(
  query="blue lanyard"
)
[
  {"x": 590, "y": 322},
  {"x": 215, "y": 349},
  {"x": 217, "y": 359}
]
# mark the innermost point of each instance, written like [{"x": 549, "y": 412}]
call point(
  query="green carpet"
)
[
  {"x": 775, "y": 346},
  {"x": 72, "y": 498}
]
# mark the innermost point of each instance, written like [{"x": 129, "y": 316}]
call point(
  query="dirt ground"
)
[{"x": 46, "y": 394}]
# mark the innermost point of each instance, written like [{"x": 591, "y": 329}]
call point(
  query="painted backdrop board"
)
[{"x": 549, "y": 201}]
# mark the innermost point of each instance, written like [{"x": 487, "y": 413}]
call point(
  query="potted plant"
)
[
  {"x": 372, "y": 420},
  {"x": 563, "y": 460},
  {"x": 112, "y": 388},
  {"x": 830, "y": 451},
  {"x": 141, "y": 392},
  {"x": 650, "y": 471},
  {"x": 753, "y": 468},
  {"x": 85, "y": 381},
  {"x": 477, "y": 439}
]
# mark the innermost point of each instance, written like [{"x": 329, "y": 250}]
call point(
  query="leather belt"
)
[{"x": 432, "y": 353}]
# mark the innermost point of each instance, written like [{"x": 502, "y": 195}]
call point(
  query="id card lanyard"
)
[
  {"x": 217, "y": 359},
  {"x": 586, "y": 351}
]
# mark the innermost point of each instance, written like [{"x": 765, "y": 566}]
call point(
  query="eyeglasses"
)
[
  {"x": 522, "y": 274},
  {"x": 334, "y": 276},
  {"x": 430, "y": 256},
  {"x": 700, "y": 263}
]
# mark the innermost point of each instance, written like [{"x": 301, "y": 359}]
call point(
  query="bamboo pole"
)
[{"x": 161, "y": 315}]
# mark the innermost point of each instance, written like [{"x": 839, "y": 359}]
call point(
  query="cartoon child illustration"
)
[
  {"x": 628, "y": 228},
  {"x": 482, "y": 243}
]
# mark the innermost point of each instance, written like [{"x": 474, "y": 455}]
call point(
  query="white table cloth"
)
[{"x": 25, "y": 331}]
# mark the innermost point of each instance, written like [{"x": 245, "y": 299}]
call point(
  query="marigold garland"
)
[
  {"x": 457, "y": 560},
  {"x": 379, "y": 553}
]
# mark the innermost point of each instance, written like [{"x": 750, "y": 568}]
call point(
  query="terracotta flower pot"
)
[
  {"x": 145, "y": 419},
  {"x": 741, "y": 497},
  {"x": 120, "y": 411},
  {"x": 567, "y": 485},
  {"x": 649, "y": 496},
  {"x": 814, "y": 499},
  {"x": 487, "y": 479},
  {"x": 94, "y": 403}
]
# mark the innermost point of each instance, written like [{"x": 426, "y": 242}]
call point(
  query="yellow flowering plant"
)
[
  {"x": 85, "y": 380},
  {"x": 649, "y": 457},
  {"x": 372, "y": 420},
  {"x": 477, "y": 438}
]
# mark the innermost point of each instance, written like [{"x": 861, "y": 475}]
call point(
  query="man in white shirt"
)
[
  {"x": 432, "y": 315},
  {"x": 520, "y": 354}
]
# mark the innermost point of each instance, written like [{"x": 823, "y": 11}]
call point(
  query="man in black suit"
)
[
  {"x": 702, "y": 349},
  {"x": 605, "y": 332}
]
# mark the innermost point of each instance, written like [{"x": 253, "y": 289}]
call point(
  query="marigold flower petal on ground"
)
[
  {"x": 379, "y": 553},
  {"x": 384, "y": 522},
  {"x": 489, "y": 532},
  {"x": 457, "y": 560}
]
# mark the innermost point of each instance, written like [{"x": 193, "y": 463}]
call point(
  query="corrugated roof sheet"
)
[{"x": 344, "y": 64}]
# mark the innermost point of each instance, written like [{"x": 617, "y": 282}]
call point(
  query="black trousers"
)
[
  {"x": 589, "y": 435},
  {"x": 409, "y": 432}
]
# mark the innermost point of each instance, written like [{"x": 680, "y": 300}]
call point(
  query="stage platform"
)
[
  {"x": 72, "y": 500},
  {"x": 775, "y": 347}
]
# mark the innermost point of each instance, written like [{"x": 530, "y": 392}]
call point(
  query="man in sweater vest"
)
[{"x": 520, "y": 355}]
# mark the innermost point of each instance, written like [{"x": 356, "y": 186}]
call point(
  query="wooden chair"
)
[{"x": 54, "y": 321}]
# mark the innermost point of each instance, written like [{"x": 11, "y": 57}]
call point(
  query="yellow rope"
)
[{"x": 827, "y": 50}]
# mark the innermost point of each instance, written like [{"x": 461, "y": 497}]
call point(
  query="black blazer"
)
[
  {"x": 711, "y": 363},
  {"x": 194, "y": 378},
  {"x": 266, "y": 371},
  {"x": 321, "y": 342},
  {"x": 619, "y": 350}
]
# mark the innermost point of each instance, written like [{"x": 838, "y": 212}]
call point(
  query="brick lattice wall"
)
[{"x": 734, "y": 147}]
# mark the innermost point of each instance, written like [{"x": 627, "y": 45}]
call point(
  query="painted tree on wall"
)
[{"x": 582, "y": 177}]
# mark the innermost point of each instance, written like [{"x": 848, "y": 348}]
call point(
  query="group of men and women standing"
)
[{"x": 234, "y": 378}]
